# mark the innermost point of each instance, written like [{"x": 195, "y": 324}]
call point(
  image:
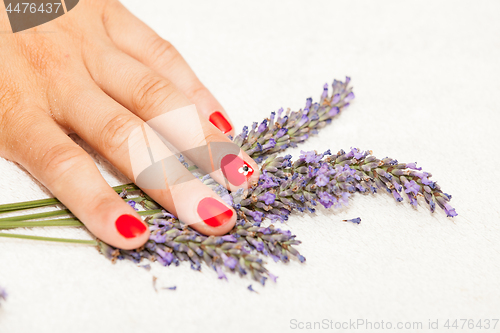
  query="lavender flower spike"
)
[
  {"x": 295, "y": 126},
  {"x": 314, "y": 178}
]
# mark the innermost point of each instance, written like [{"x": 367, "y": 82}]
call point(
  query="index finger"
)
[{"x": 135, "y": 38}]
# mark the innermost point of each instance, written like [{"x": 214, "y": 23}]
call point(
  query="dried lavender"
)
[
  {"x": 284, "y": 186},
  {"x": 283, "y": 130},
  {"x": 171, "y": 242}
]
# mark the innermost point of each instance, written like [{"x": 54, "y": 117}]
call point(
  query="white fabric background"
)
[{"x": 426, "y": 79}]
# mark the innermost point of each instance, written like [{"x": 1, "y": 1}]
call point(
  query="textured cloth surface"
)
[{"x": 426, "y": 79}]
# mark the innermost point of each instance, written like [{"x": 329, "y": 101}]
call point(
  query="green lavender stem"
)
[
  {"x": 60, "y": 212},
  {"x": 50, "y": 239},
  {"x": 44, "y": 223},
  {"x": 52, "y": 201}
]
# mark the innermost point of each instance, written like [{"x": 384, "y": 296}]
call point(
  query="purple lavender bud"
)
[
  {"x": 256, "y": 215},
  {"x": 450, "y": 211},
  {"x": 266, "y": 181},
  {"x": 259, "y": 246},
  {"x": 413, "y": 199},
  {"x": 310, "y": 156},
  {"x": 158, "y": 237},
  {"x": 283, "y": 120},
  {"x": 356, "y": 220},
  {"x": 227, "y": 199},
  {"x": 349, "y": 97},
  {"x": 308, "y": 103},
  {"x": 335, "y": 99},
  {"x": 413, "y": 187},
  {"x": 270, "y": 144},
  {"x": 325, "y": 92},
  {"x": 397, "y": 196},
  {"x": 302, "y": 121},
  {"x": 280, "y": 133},
  {"x": 344, "y": 198},
  {"x": 280, "y": 111},
  {"x": 220, "y": 273},
  {"x": 251, "y": 288},
  {"x": 167, "y": 257},
  {"x": 426, "y": 181},
  {"x": 272, "y": 277},
  {"x": 347, "y": 80},
  {"x": 268, "y": 198},
  {"x": 229, "y": 238},
  {"x": 322, "y": 180},
  {"x": 432, "y": 206},
  {"x": 132, "y": 204},
  {"x": 301, "y": 258},
  {"x": 229, "y": 262},
  {"x": 262, "y": 127},
  {"x": 326, "y": 199},
  {"x": 333, "y": 111},
  {"x": 412, "y": 166},
  {"x": 170, "y": 288}
]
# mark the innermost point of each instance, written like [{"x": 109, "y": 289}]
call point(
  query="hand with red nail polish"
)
[{"x": 104, "y": 94}]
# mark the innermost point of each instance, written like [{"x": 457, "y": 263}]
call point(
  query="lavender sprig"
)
[
  {"x": 283, "y": 130},
  {"x": 171, "y": 242},
  {"x": 285, "y": 186}
]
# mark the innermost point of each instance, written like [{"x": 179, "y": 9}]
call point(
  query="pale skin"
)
[{"x": 100, "y": 73}]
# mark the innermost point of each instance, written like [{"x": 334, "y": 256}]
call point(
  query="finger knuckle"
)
[
  {"x": 9, "y": 105},
  {"x": 161, "y": 50},
  {"x": 11, "y": 118},
  {"x": 62, "y": 159},
  {"x": 178, "y": 178},
  {"x": 101, "y": 201},
  {"x": 198, "y": 91},
  {"x": 210, "y": 135},
  {"x": 151, "y": 92},
  {"x": 115, "y": 132},
  {"x": 41, "y": 54}
]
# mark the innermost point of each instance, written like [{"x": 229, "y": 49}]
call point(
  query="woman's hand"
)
[{"x": 100, "y": 72}]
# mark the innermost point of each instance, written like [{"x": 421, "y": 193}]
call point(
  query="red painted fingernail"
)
[
  {"x": 235, "y": 169},
  {"x": 129, "y": 227},
  {"x": 214, "y": 212},
  {"x": 220, "y": 122}
]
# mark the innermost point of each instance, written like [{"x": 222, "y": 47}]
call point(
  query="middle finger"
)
[{"x": 156, "y": 100}]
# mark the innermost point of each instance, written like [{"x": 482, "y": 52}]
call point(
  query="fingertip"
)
[
  {"x": 117, "y": 224},
  {"x": 132, "y": 231},
  {"x": 221, "y": 120}
]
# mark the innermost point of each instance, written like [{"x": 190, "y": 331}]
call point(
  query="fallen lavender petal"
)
[{"x": 3, "y": 295}]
